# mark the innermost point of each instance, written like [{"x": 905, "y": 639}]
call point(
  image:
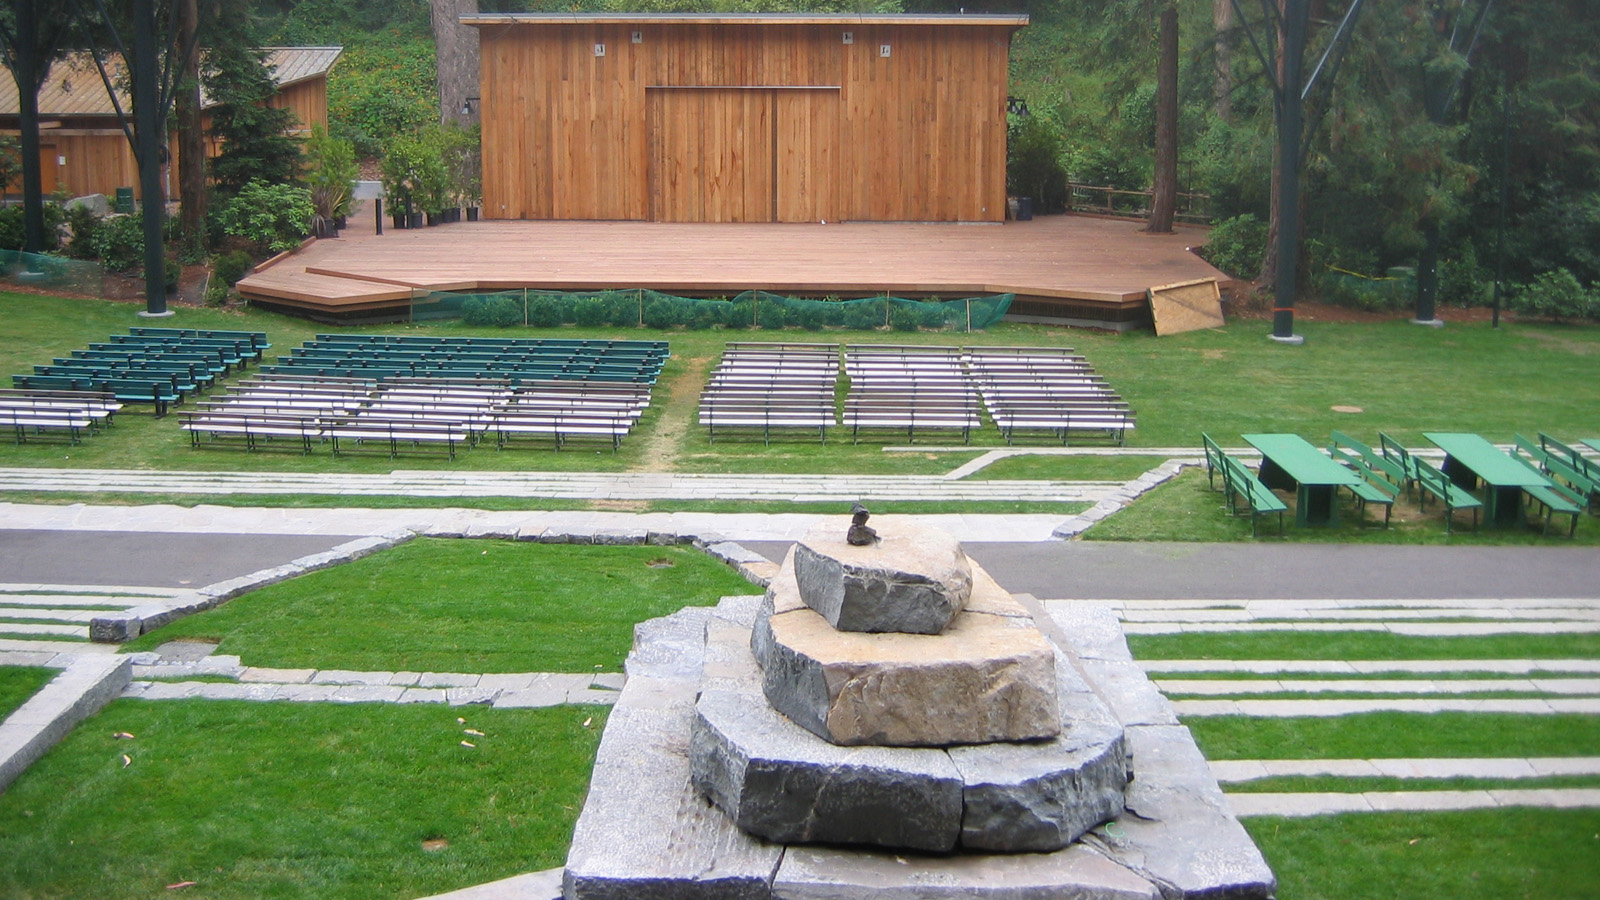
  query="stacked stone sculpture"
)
[
  {"x": 887, "y": 723},
  {"x": 906, "y": 701}
]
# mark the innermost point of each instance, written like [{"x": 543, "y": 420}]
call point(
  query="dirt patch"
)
[
  {"x": 1213, "y": 354},
  {"x": 1564, "y": 343},
  {"x": 678, "y": 398},
  {"x": 620, "y": 505}
]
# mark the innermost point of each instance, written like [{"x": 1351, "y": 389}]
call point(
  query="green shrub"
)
[
  {"x": 904, "y": 316},
  {"x": 771, "y": 314},
  {"x": 1033, "y": 162},
  {"x": 83, "y": 223},
  {"x": 1558, "y": 295},
  {"x": 501, "y": 311},
  {"x": 272, "y": 216},
  {"x": 172, "y": 272},
  {"x": 231, "y": 266},
  {"x": 622, "y": 310},
  {"x": 1237, "y": 245},
  {"x": 864, "y": 315},
  {"x": 544, "y": 312},
  {"x": 381, "y": 90},
  {"x": 1343, "y": 288},
  {"x": 666, "y": 312},
  {"x": 809, "y": 314},
  {"x": 589, "y": 312},
  {"x": 704, "y": 314},
  {"x": 739, "y": 314},
  {"x": 1462, "y": 282},
  {"x": 119, "y": 243},
  {"x": 13, "y": 228}
]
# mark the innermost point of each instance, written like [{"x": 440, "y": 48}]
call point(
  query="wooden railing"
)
[{"x": 1110, "y": 201}]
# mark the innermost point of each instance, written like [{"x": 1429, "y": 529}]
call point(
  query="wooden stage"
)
[{"x": 1067, "y": 267}]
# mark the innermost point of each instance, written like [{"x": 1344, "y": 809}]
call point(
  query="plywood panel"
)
[
  {"x": 1187, "y": 306},
  {"x": 711, "y": 155}
]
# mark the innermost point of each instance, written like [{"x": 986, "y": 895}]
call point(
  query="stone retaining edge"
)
[{"x": 79, "y": 691}]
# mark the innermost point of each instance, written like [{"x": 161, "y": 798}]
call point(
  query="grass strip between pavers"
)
[
  {"x": 259, "y": 801},
  {"x": 1359, "y": 645},
  {"x": 1387, "y": 735},
  {"x": 18, "y": 683},
  {"x": 1315, "y": 784},
  {"x": 440, "y": 605},
  {"x": 1550, "y": 854}
]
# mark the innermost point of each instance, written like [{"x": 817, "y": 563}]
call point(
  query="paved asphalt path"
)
[
  {"x": 146, "y": 559},
  {"x": 1101, "y": 570}
]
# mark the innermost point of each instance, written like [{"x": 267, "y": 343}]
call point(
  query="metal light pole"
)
[{"x": 1291, "y": 102}]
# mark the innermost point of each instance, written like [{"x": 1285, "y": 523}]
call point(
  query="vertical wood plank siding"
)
[{"x": 744, "y": 122}]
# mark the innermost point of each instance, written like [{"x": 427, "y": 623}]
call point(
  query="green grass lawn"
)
[
  {"x": 435, "y": 605},
  {"x": 1226, "y": 381},
  {"x": 1393, "y": 734},
  {"x": 1359, "y": 645},
  {"x": 289, "y": 800},
  {"x": 1501, "y": 853},
  {"x": 1187, "y": 509},
  {"x": 18, "y": 683}
]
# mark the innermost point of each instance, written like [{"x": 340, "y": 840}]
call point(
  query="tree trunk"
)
[
  {"x": 1164, "y": 202},
  {"x": 28, "y": 78},
  {"x": 1222, "y": 86},
  {"x": 191, "y": 134},
  {"x": 456, "y": 61}
]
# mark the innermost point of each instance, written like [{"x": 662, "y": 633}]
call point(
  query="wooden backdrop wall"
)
[{"x": 744, "y": 122}]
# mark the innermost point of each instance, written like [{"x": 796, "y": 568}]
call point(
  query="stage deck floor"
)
[{"x": 1069, "y": 257}]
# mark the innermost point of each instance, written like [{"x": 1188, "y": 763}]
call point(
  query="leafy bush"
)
[
  {"x": 412, "y": 172},
  {"x": 13, "y": 228},
  {"x": 1033, "y": 162},
  {"x": 622, "y": 310},
  {"x": 331, "y": 172},
  {"x": 1344, "y": 288},
  {"x": 381, "y": 90},
  {"x": 1462, "y": 282},
  {"x": 231, "y": 266},
  {"x": 501, "y": 311},
  {"x": 1558, "y": 295},
  {"x": 216, "y": 292},
  {"x": 739, "y": 314},
  {"x": 83, "y": 223},
  {"x": 864, "y": 315},
  {"x": 589, "y": 311},
  {"x": 1237, "y": 245},
  {"x": 119, "y": 243},
  {"x": 666, "y": 312},
  {"x": 905, "y": 316},
  {"x": 272, "y": 216},
  {"x": 545, "y": 312},
  {"x": 771, "y": 314}
]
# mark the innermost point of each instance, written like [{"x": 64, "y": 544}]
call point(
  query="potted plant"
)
[
  {"x": 331, "y": 175},
  {"x": 410, "y": 173}
]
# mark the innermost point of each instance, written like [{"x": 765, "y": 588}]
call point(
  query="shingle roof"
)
[{"x": 74, "y": 88}]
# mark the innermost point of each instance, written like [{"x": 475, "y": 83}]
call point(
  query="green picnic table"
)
[
  {"x": 1469, "y": 459},
  {"x": 1290, "y": 462},
  {"x": 1592, "y": 444}
]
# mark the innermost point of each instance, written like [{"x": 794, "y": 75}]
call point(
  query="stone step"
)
[
  {"x": 46, "y": 614},
  {"x": 120, "y": 601},
  {"x": 1411, "y": 629},
  {"x": 16, "y": 628}
]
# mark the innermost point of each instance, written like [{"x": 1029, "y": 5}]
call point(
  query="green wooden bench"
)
[
  {"x": 1214, "y": 457},
  {"x": 1556, "y": 498},
  {"x": 1432, "y": 481},
  {"x": 1396, "y": 452},
  {"x": 1557, "y": 466},
  {"x": 1382, "y": 466},
  {"x": 1242, "y": 484},
  {"x": 1374, "y": 487},
  {"x": 1568, "y": 454}
]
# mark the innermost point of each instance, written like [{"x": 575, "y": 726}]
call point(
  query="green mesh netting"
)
[
  {"x": 761, "y": 309},
  {"x": 1353, "y": 289},
  {"x": 72, "y": 276}
]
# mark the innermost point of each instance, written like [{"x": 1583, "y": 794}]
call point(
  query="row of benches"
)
[
  {"x": 392, "y": 356},
  {"x": 765, "y": 386},
  {"x": 159, "y": 366},
  {"x": 37, "y": 412},
  {"x": 407, "y": 413}
]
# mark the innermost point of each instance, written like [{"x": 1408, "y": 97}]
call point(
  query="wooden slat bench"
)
[{"x": 255, "y": 427}]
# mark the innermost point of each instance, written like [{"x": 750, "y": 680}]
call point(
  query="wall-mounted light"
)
[
  {"x": 884, "y": 50},
  {"x": 849, "y": 37},
  {"x": 599, "y": 49},
  {"x": 466, "y": 105},
  {"x": 1016, "y": 106},
  {"x": 638, "y": 37}
]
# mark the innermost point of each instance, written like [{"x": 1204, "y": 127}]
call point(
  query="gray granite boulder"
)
[
  {"x": 914, "y": 580},
  {"x": 780, "y": 782}
]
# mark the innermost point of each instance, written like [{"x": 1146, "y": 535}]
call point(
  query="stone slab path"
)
[
  {"x": 1232, "y": 771},
  {"x": 1323, "y": 804}
]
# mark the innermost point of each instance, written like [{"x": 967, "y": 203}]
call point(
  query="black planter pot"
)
[
  {"x": 472, "y": 214},
  {"x": 341, "y": 222},
  {"x": 399, "y": 220},
  {"x": 455, "y": 213},
  {"x": 435, "y": 219},
  {"x": 414, "y": 220}
]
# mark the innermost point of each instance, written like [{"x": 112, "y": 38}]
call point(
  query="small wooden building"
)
[
  {"x": 744, "y": 118},
  {"x": 82, "y": 145}
]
